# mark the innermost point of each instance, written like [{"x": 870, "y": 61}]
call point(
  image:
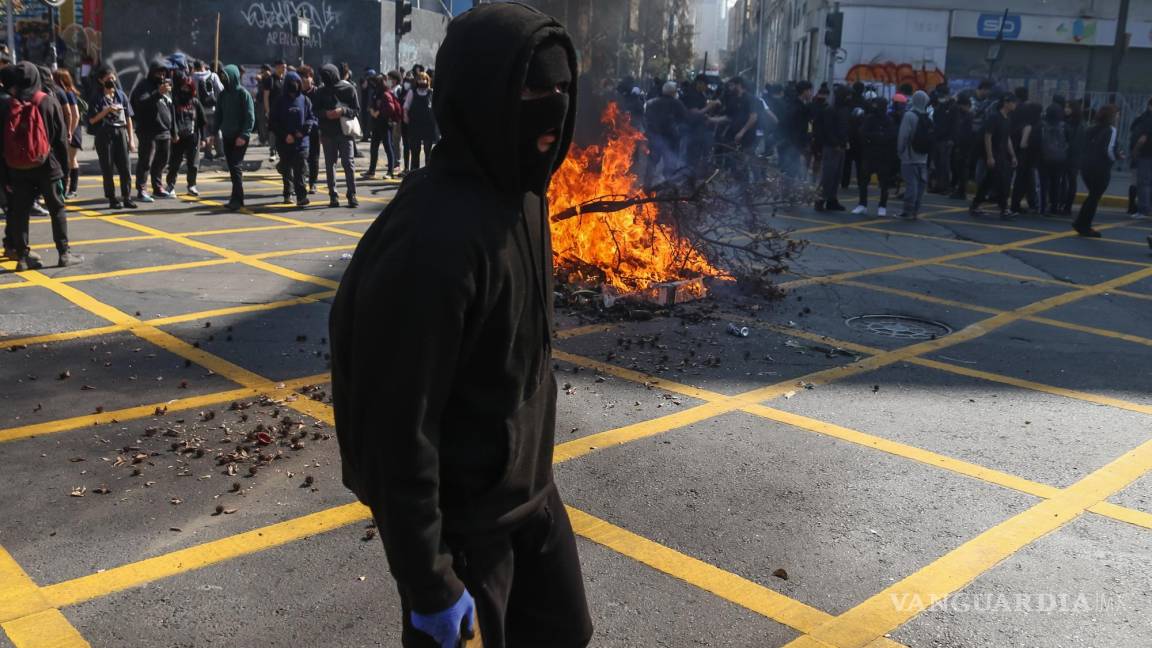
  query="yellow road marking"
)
[
  {"x": 730, "y": 587},
  {"x": 271, "y": 388},
  {"x": 26, "y": 616},
  {"x": 890, "y": 608},
  {"x": 134, "y": 574},
  {"x": 228, "y": 254},
  {"x": 164, "y": 321},
  {"x": 47, "y": 629}
]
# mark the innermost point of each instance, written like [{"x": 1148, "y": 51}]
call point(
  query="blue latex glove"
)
[{"x": 447, "y": 627}]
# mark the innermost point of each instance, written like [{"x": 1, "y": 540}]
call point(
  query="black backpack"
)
[
  {"x": 1096, "y": 152},
  {"x": 922, "y": 136},
  {"x": 1054, "y": 142},
  {"x": 206, "y": 92}
]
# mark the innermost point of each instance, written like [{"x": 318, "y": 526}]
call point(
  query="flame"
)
[{"x": 630, "y": 249}]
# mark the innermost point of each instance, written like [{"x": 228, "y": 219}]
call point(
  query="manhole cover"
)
[{"x": 898, "y": 326}]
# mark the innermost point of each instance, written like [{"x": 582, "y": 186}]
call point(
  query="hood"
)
[
  {"x": 25, "y": 80},
  {"x": 329, "y": 74},
  {"x": 292, "y": 83},
  {"x": 486, "y": 53},
  {"x": 231, "y": 77},
  {"x": 920, "y": 101}
]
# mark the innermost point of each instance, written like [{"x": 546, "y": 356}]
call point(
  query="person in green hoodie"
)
[{"x": 235, "y": 118}]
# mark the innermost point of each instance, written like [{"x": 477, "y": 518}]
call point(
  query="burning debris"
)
[{"x": 614, "y": 240}]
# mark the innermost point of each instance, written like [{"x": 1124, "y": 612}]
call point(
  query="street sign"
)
[
  {"x": 55, "y": 4},
  {"x": 303, "y": 27}
]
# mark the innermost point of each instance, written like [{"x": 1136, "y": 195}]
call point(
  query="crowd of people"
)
[
  {"x": 183, "y": 111},
  {"x": 1020, "y": 155}
]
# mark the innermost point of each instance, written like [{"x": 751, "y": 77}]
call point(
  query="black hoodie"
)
[
  {"x": 335, "y": 93},
  {"x": 441, "y": 355},
  {"x": 25, "y": 83}
]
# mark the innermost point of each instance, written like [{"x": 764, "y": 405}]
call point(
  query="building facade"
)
[{"x": 1053, "y": 45}]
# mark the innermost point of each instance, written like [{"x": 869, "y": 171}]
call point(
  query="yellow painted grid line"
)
[
  {"x": 968, "y": 268},
  {"x": 883, "y": 612},
  {"x": 26, "y": 616},
  {"x": 215, "y": 232}
]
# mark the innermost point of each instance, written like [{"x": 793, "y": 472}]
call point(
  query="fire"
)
[{"x": 630, "y": 249}]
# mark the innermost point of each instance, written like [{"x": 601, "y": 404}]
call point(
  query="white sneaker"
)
[
  {"x": 1137, "y": 216},
  {"x": 193, "y": 191},
  {"x": 881, "y": 211},
  {"x": 860, "y": 209}
]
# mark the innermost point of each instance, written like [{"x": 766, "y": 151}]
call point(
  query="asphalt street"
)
[{"x": 939, "y": 437}]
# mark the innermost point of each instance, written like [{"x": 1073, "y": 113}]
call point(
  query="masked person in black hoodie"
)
[
  {"x": 443, "y": 321},
  {"x": 337, "y": 100},
  {"x": 152, "y": 107},
  {"x": 188, "y": 126},
  {"x": 27, "y": 173},
  {"x": 291, "y": 122}
]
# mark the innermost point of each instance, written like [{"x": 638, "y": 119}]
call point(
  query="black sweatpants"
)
[
  {"x": 1025, "y": 185},
  {"x": 313, "y": 156},
  {"x": 996, "y": 179},
  {"x": 527, "y": 584},
  {"x": 293, "y": 168},
  {"x": 151, "y": 160},
  {"x": 112, "y": 152},
  {"x": 26, "y": 185},
  {"x": 883, "y": 171},
  {"x": 1097, "y": 182},
  {"x": 234, "y": 156},
  {"x": 186, "y": 150}
]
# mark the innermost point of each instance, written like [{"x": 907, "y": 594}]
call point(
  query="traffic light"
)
[
  {"x": 403, "y": 17},
  {"x": 833, "y": 29}
]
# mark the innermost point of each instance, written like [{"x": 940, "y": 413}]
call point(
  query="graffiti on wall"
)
[
  {"x": 131, "y": 67},
  {"x": 890, "y": 73},
  {"x": 278, "y": 18}
]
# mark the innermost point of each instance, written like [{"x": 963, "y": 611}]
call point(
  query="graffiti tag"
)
[
  {"x": 281, "y": 15},
  {"x": 895, "y": 74}
]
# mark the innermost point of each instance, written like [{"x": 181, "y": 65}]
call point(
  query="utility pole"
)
[
  {"x": 833, "y": 36},
  {"x": 11, "y": 31},
  {"x": 1118, "y": 49},
  {"x": 760, "y": 13}
]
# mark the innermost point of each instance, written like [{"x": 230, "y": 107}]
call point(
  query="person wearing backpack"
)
[
  {"x": 189, "y": 133},
  {"x": 35, "y": 140},
  {"x": 913, "y": 144},
  {"x": 208, "y": 89},
  {"x": 109, "y": 120},
  {"x": 337, "y": 101},
  {"x": 1053, "y": 159},
  {"x": 1100, "y": 153},
  {"x": 385, "y": 111}
]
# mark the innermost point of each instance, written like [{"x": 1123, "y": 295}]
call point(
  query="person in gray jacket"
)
[{"x": 913, "y": 154}]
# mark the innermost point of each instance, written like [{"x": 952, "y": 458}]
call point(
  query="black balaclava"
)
[{"x": 547, "y": 70}]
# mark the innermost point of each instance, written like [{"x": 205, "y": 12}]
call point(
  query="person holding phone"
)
[{"x": 110, "y": 121}]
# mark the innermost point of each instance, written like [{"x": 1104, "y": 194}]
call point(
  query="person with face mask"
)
[
  {"x": 385, "y": 110},
  {"x": 27, "y": 177},
  {"x": 308, "y": 89},
  {"x": 188, "y": 133},
  {"x": 152, "y": 105},
  {"x": 291, "y": 122},
  {"x": 421, "y": 122},
  {"x": 235, "y": 119},
  {"x": 335, "y": 101},
  {"x": 444, "y": 319},
  {"x": 110, "y": 117}
]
